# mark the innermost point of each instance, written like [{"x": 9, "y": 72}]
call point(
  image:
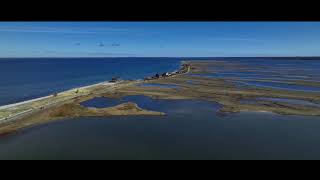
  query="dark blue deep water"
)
[
  {"x": 24, "y": 79},
  {"x": 190, "y": 130}
]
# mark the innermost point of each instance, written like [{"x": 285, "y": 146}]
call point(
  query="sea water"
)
[
  {"x": 25, "y": 79},
  {"x": 190, "y": 130}
]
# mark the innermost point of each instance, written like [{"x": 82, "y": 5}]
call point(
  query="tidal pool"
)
[{"x": 167, "y": 106}]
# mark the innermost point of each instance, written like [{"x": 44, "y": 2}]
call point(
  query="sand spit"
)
[{"x": 220, "y": 90}]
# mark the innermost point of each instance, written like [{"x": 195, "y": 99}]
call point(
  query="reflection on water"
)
[{"x": 191, "y": 130}]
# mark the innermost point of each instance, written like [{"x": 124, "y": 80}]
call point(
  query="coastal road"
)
[{"x": 13, "y": 112}]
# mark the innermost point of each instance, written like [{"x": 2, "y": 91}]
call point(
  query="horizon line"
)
[{"x": 162, "y": 57}]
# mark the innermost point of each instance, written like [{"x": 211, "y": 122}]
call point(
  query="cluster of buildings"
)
[
  {"x": 115, "y": 79},
  {"x": 182, "y": 70}
]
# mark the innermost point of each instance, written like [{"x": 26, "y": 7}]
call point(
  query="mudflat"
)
[
  {"x": 228, "y": 93},
  {"x": 192, "y": 84}
]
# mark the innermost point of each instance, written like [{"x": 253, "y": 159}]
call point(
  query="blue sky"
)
[{"x": 159, "y": 39}]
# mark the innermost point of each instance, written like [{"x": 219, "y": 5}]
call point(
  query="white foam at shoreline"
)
[
  {"x": 42, "y": 98},
  {"x": 23, "y": 102}
]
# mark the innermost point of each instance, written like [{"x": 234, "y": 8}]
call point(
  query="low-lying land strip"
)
[{"x": 187, "y": 86}]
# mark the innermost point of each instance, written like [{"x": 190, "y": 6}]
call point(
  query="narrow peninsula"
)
[{"x": 191, "y": 82}]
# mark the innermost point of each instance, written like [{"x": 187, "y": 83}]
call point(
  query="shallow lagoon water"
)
[
  {"x": 190, "y": 82},
  {"x": 247, "y": 75},
  {"x": 190, "y": 130},
  {"x": 274, "y": 85},
  {"x": 290, "y": 101},
  {"x": 167, "y": 106}
]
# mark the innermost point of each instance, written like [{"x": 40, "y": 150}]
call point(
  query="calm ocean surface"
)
[
  {"x": 191, "y": 129},
  {"x": 24, "y": 79}
]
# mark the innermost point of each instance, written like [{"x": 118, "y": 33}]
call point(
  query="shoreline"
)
[
  {"x": 45, "y": 97},
  {"x": 49, "y": 101},
  {"x": 46, "y": 102},
  {"x": 67, "y": 104}
]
